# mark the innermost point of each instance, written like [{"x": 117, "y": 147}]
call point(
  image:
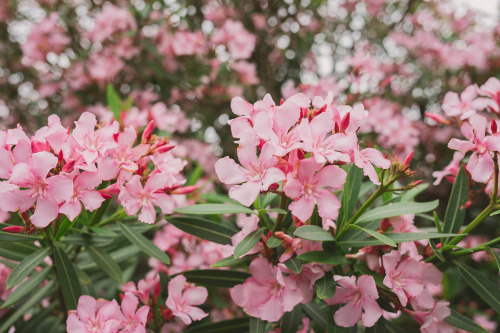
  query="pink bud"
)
[
  {"x": 148, "y": 132},
  {"x": 14, "y": 229},
  {"x": 105, "y": 195},
  {"x": 408, "y": 159},
  {"x": 282, "y": 101},
  {"x": 345, "y": 122},
  {"x": 494, "y": 127},
  {"x": 68, "y": 166},
  {"x": 274, "y": 187},
  {"x": 164, "y": 149},
  {"x": 185, "y": 189},
  {"x": 436, "y": 117}
]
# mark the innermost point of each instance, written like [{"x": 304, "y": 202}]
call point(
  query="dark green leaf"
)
[
  {"x": 268, "y": 199},
  {"x": 497, "y": 257},
  {"x": 144, "y": 244},
  {"x": 323, "y": 257},
  {"x": 458, "y": 320},
  {"x": 34, "y": 323},
  {"x": 397, "y": 209},
  {"x": 325, "y": 287},
  {"x": 291, "y": 320},
  {"x": 224, "y": 326},
  {"x": 114, "y": 101},
  {"x": 384, "y": 239},
  {"x": 396, "y": 237},
  {"x": 257, "y": 325},
  {"x": 273, "y": 242},
  {"x": 315, "y": 233},
  {"x": 9, "y": 237},
  {"x": 211, "y": 209},
  {"x": 436, "y": 251},
  {"x": 379, "y": 327},
  {"x": 437, "y": 223},
  {"x": 487, "y": 290},
  {"x": 106, "y": 232},
  {"x": 203, "y": 228},
  {"x": 247, "y": 243},
  {"x": 230, "y": 261},
  {"x": 65, "y": 225},
  {"x": 274, "y": 210},
  {"x": 26, "y": 267},
  {"x": 317, "y": 313},
  {"x": 216, "y": 277},
  {"x": 455, "y": 212},
  {"x": 294, "y": 265},
  {"x": 68, "y": 280},
  {"x": 350, "y": 195},
  {"x": 27, "y": 287},
  {"x": 106, "y": 263}
]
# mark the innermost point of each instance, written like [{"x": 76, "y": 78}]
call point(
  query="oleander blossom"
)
[{"x": 182, "y": 297}]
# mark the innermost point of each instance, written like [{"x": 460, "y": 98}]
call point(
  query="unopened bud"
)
[
  {"x": 164, "y": 149},
  {"x": 148, "y": 132},
  {"x": 436, "y": 117},
  {"x": 274, "y": 187},
  {"x": 68, "y": 166},
  {"x": 345, "y": 122},
  {"x": 185, "y": 189},
  {"x": 408, "y": 159},
  {"x": 14, "y": 229},
  {"x": 105, "y": 195},
  {"x": 494, "y": 127}
]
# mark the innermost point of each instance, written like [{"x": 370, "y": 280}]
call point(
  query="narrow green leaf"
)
[
  {"x": 68, "y": 280},
  {"x": 195, "y": 175},
  {"x": 315, "y": 233},
  {"x": 395, "y": 237},
  {"x": 257, "y": 325},
  {"x": 248, "y": 243},
  {"x": 35, "y": 297},
  {"x": 217, "y": 198},
  {"x": 27, "y": 287},
  {"x": 458, "y": 320},
  {"x": 397, "y": 209},
  {"x": 323, "y": 257},
  {"x": 64, "y": 226},
  {"x": 203, "y": 228},
  {"x": 384, "y": 239},
  {"x": 106, "y": 263},
  {"x": 379, "y": 327},
  {"x": 294, "y": 265},
  {"x": 274, "y": 210},
  {"x": 230, "y": 261},
  {"x": 114, "y": 101},
  {"x": 437, "y": 222},
  {"x": 9, "y": 237},
  {"x": 455, "y": 212},
  {"x": 411, "y": 194},
  {"x": 83, "y": 277},
  {"x": 224, "y": 326},
  {"x": 496, "y": 255},
  {"x": 487, "y": 290},
  {"x": 436, "y": 251},
  {"x": 216, "y": 277},
  {"x": 34, "y": 324},
  {"x": 273, "y": 242},
  {"x": 268, "y": 199},
  {"x": 214, "y": 209},
  {"x": 325, "y": 287},
  {"x": 350, "y": 195},
  {"x": 26, "y": 266},
  {"x": 317, "y": 313},
  {"x": 106, "y": 232},
  {"x": 144, "y": 244},
  {"x": 291, "y": 320}
]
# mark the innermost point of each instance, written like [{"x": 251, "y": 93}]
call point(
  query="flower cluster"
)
[{"x": 57, "y": 171}]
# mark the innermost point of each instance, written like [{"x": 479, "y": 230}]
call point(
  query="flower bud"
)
[
  {"x": 185, "y": 189},
  {"x": 14, "y": 229},
  {"x": 408, "y": 159},
  {"x": 164, "y": 149},
  {"x": 148, "y": 132},
  {"x": 274, "y": 187},
  {"x": 436, "y": 117},
  {"x": 494, "y": 127}
]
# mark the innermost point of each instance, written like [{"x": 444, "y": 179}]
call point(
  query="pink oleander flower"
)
[
  {"x": 47, "y": 192},
  {"x": 451, "y": 170},
  {"x": 465, "y": 105},
  {"x": 144, "y": 287},
  {"x": 240, "y": 43},
  {"x": 84, "y": 192},
  {"x": 257, "y": 174},
  {"x": 133, "y": 320},
  {"x": 93, "y": 316},
  {"x": 359, "y": 297},
  {"x": 363, "y": 159},
  {"x": 135, "y": 197},
  {"x": 111, "y": 21},
  {"x": 433, "y": 321},
  {"x": 480, "y": 164},
  {"x": 182, "y": 297},
  {"x": 308, "y": 187},
  {"x": 492, "y": 89},
  {"x": 267, "y": 294}
]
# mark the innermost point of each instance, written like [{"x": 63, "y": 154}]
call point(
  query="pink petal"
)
[
  {"x": 245, "y": 193},
  {"x": 86, "y": 307},
  {"x": 41, "y": 163},
  {"x": 328, "y": 204},
  {"x": 196, "y": 313},
  {"x": 376, "y": 157},
  {"x": 372, "y": 311},
  {"x": 271, "y": 310},
  {"x": 148, "y": 214},
  {"x": 302, "y": 208},
  {"x": 129, "y": 304},
  {"x": 229, "y": 172},
  {"x": 307, "y": 168},
  {"x": 366, "y": 285},
  {"x": 195, "y": 295},
  {"x": 71, "y": 209},
  {"x": 272, "y": 175},
  {"x": 241, "y": 107},
  {"x": 481, "y": 167},
  {"x": 293, "y": 187},
  {"x": 60, "y": 187},
  {"x": 46, "y": 211},
  {"x": 91, "y": 200},
  {"x": 348, "y": 315},
  {"x": 74, "y": 325},
  {"x": 479, "y": 124},
  {"x": 165, "y": 202},
  {"x": 21, "y": 175},
  {"x": 262, "y": 270},
  {"x": 285, "y": 116},
  {"x": 461, "y": 145},
  {"x": 110, "y": 310},
  {"x": 331, "y": 176},
  {"x": 267, "y": 158}
]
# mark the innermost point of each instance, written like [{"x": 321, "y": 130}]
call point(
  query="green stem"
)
[
  {"x": 281, "y": 217},
  {"x": 495, "y": 184},
  {"x": 118, "y": 214}
]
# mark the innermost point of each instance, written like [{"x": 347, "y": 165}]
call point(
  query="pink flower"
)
[
  {"x": 135, "y": 197},
  {"x": 466, "y": 105},
  {"x": 492, "y": 89},
  {"x": 182, "y": 297},
  {"x": 363, "y": 159},
  {"x": 84, "y": 185},
  {"x": 480, "y": 164},
  {"x": 134, "y": 320},
  {"x": 433, "y": 321},
  {"x": 450, "y": 170},
  {"x": 144, "y": 287},
  {"x": 240, "y": 43},
  {"x": 47, "y": 192},
  {"x": 267, "y": 294},
  {"x": 257, "y": 174},
  {"x": 359, "y": 297},
  {"x": 307, "y": 186},
  {"x": 93, "y": 316}
]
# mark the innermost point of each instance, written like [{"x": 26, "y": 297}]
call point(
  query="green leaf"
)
[
  {"x": 411, "y": 194},
  {"x": 257, "y": 325},
  {"x": 195, "y": 175},
  {"x": 379, "y": 327},
  {"x": 203, "y": 228},
  {"x": 384, "y": 239},
  {"x": 248, "y": 243},
  {"x": 31, "y": 301},
  {"x": 455, "y": 212},
  {"x": 458, "y": 320},
  {"x": 27, "y": 287},
  {"x": 25, "y": 267},
  {"x": 291, "y": 320},
  {"x": 294, "y": 265},
  {"x": 396, "y": 238},
  {"x": 230, "y": 261},
  {"x": 315, "y": 233},
  {"x": 106, "y": 232},
  {"x": 350, "y": 195},
  {"x": 268, "y": 199},
  {"x": 323, "y": 257},
  {"x": 397, "y": 209},
  {"x": 487, "y": 290},
  {"x": 437, "y": 223},
  {"x": 214, "y": 209},
  {"x": 273, "y": 242},
  {"x": 216, "y": 277},
  {"x": 144, "y": 244},
  {"x": 10, "y": 237},
  {"x": 497, "y": 257},
  {"x": 114, "y": 101},
  {"x": 224, "y": 326},
  {"x": 64, "y": 226},
  {"x": 436, "y": 251},
  {"x": 68, "y": 280},
  {"x": 106, "y": 263},
  {"x": 83, "y": 277},
  {"x": 325, "y": 287},
  {"x": 317, "y": 313},
  {"x": 217, "y": 198}
]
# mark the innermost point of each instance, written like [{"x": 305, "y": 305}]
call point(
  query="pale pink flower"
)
[
  {"x": 308, "y": 187},
  {"x": 93, "y": 316},
  {"x": 110, "y": 21},
  {"x": 363, "y": 159},
  {"x": 267, "y": 294},
  {"x": 257, "y": 174},
  {"x": 182, "y": 297},
  {"x": 134, "y": 320},
  {"x": 188, "y": 43},
  {"x": 451, "y": 170},
  {"x": 247, "y": 72},
  {"x": 492, "y": 89},
  {"x": 465, "y": 105},
  {"x": 240, "y": 43},
  {"x": 433, "y": 321},
  {"x": 84, "y": 185},
  {"x": 359, "y": 297},
  {"x": 144, "y": 287}
]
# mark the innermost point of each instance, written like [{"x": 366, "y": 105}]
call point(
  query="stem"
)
[
  {"x": 495, "y": 184},
  {"x": 281, "y": 217},
  {"x": 118, "y": 214},
  {"x": 458, "y": 253}
]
